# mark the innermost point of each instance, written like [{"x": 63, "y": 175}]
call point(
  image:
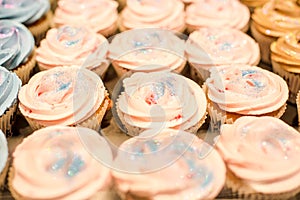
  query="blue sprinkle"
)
[
  {"x": 258, "y": 84},
  {"x": 71, "y": 43},
  {"x": 159, "y": 90},
  {"x": 225, "y": 46},
  {"x": 64, "y": 86},
  {"x": 58, "y": 164},
  {"x": 207, "y": 180},
  {"x": 152, "y": 145},
  {"x": 75, "y": 167},
  {"x": 246, "y": 72},
  {"x": 139, "y": 44}
]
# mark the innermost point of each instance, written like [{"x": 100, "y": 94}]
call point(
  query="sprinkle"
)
[
  {"x": 246, "y": 72},
  {"x": 75, "y": 167},
  {"x": 226, "y": 46}
]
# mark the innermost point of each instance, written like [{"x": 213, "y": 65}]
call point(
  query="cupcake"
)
[
  {"x": 273, "y": 20},
  {"x": 10, "y": 85},
  {"x": 168, "y": 164},
  {"x": 62, "y": 168},
  {"x": 17, "y": 48},
  {"x": 98, "y": 15},
  {"x": 35, "y": 14},
  {"x": 238, "y": 90},
  {"x": 161, "y": 100},
  {"x": 71, "y": 45},
  {"x": 165, "y": 14},
  {"x": 69, "y": 96},
  {"x": 147, "y": 50},
  {"x": 209, "y": 47},
  {"x": 262, "y": 158},
  {"x": 285, "y": 59},
  {"x": 252, "y": 4},
  {"x": 4, "y": 163},
  {"x": 216, "y": 13}
]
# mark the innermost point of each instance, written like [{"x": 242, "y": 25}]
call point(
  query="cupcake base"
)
[
  {"x": 7, "y": 120},
  {"x": 3, "y": 174}
]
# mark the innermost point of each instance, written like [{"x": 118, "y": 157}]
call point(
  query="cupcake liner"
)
[
  {"x": 4, "y": 173},
  {"x": 7, "y": 120},
  {"x": 25, "y": 70},
  {"x": 292, "y": 79},
  {"x": 199, "y": 74},
  {"x": 53, "y": 5},
  {"x": 110, "y": 30},
  {"x": 298, "y": 108}
]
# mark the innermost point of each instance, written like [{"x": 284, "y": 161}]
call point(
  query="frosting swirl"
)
[
  {"x": 147, "y": 50},
  {"x": 186, "y": 174},
  {"x": 71, "y": 45},
  {"x": 161, "y": 99},
  {"x": 247, "y": 90},
  {"x": 62, "y": 96},
  {"x": 216, "y": 13},
  {"x": 166, "y": 14},
  {"x": 61, "y": 168},
  {"x": 252, "y": 146},
  {"x": 3, "y": 151},
  {"x": 16, "y": 44},
  {"x": 24, "y": 11},
  {"x": 221, "y": 46},
  {"x": 10, "y": 85}
]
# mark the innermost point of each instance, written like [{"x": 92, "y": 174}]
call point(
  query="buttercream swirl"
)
[
  {"x": 263, "y": 152},
  {"x": 3, "y": 151},
  {"x": 247, "y": 90},
  {"x": 71, "y": 45},
  {"x": 216, "y": 13},
  {"x": 16, "y": 44},
  {"x": 61, "y": 168},
  {"x": 221, "y": 46},
  {"x": 10, "y": 85},
  {"x": 62, "y": 96},
  {"x": 166, "y": 14},
  {"x": 276, "y": 18},
  {"x": 147, "y": 50},
  {"x": 187, "y": 174},
  {"x": 286, "y": 51},
  {"x": 98, "y": 15},
  {"x": 24, "y": 11},
  {"x": 161, "y": 99}
]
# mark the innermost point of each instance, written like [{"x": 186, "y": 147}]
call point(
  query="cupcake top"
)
[
  {"x": 98, "y": 15},
  {"x": 24, "y": 11},
  {"x": 61, "y": 168},
  {"x": 276, "y": 18},
  {"x": 263, "y": 152},
  {"x": 168, "y": 165},
  {"x": 247, "y": 90},
  {"x": 17, "y": 44},
  {"x": 3, "y": 151},
  {"x": 161, "y": 99},
  {"x": 71, "y": 45},
  {"x": 254, "y": 3},
  {"x": 286, "y": 50},
  {"x": 166, "y": 14},
  {"x": 228, "y": 13},
  {"x": 62, "y": 96},
  {"x": 219, "y": 46},
  {"x": 147, "y": 50},
  {"x": 10, "y": 85}
]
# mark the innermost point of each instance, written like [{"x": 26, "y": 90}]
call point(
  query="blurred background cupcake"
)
[
  {"x": 4, "y": 160},
  {"x": 298, "y": 107},
  {"x": 252, "y": 4}
]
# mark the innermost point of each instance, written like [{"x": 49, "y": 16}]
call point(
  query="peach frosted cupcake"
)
[
  {"x": 70, "y": 96},
  {"x": 71, "y": 45},
  {"x": 262, "y": 158}
]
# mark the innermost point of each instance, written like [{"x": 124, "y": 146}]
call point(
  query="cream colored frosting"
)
[
  {"x": 247, "y": 90},
  {"x": 263, "y": 152},
  {"x": 62, "y": 96},
  {"x": 3, "y": 151},
  {"x": 286, "y": 51},
  {"x": 276, "y": 18},
  {"x": 211, "y": 46},
  {"x": 147, "y": 50},
  {"x": 98, "y": 15},
  {"x": 161, "y": 99},
  {"x": 168, "y": 165},
  {"x": 53, "y": 163},
  {"x": 166, "y": 14},
  {"x": 216, "y": 13},
  {"x": 71, "y": 45}
]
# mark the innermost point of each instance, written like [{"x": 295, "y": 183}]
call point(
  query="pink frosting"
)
[
  {"x": 71, "y": 45},
  {"x": 62, "y": 96},
  {"x": 263, "y": 152},
  {"x": 247, "y": 90},
  {"x": 52, "y": 163},
  {"x": 161, "y": 99},
  {"x": 211, "y": 46},
  {"x": 216, "y": 13},
  {"x": 185, "y": 174},
  {"x": 166, "y": 14}
]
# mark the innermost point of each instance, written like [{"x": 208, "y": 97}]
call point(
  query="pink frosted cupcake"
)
[
  {"x": 98, "y": 15},
  {"x": 71, "y": 45},
  {"x": 209, "y": 47},
  {"x": 168, "y": 165},
  {"x": 215, "y": 13},
  {"x": 262, "y": 158},
  {"x": 165, "y": 14}
]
